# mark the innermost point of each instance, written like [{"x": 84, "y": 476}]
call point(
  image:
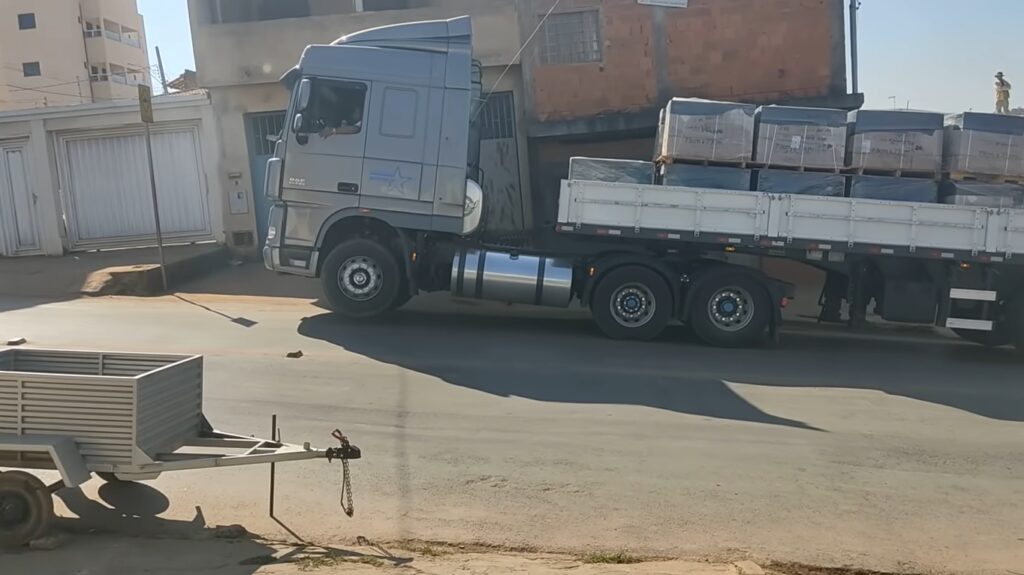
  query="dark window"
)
[
  {"x": 26, "y": 21},
  {"x": 265, "y": 129},
  {"x": 228, "y": 11},
  {"x": 498, "y": 117},
  {"x": 31, "y": 69},
  {"x": 335, "y": 108},
  {"x": 572, "y": 38}
]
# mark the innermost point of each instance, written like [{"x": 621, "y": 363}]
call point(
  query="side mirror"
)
[
  {"x": 305, "y": 90},
  {"x": 297, "y": 123}
]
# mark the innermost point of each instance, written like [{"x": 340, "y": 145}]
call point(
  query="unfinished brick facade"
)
[{"x": 746, "y": 50}]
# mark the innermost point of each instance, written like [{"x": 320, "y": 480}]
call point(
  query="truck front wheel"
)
[
  {"x": 730, "y": 309},
  {"x": 632, "y": 302},
  {"x": 361, "y": 279}
]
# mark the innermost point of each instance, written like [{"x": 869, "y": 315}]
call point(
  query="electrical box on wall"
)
[{"x": 238, "y": 200}]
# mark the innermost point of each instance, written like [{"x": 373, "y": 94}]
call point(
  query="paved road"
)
[{"x": 510, "y": 426}]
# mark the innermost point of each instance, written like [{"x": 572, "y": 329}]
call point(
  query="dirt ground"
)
[{"x": 106, "y": 554}]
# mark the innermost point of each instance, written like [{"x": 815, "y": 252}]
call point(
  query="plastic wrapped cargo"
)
[
  {"x": 801, "y": 137},
  {"x": 982, "y": 195},
  {"x": 616, "y": 171},
  {"x": 896, "y": 189},
  {"x": 715, "y": 177},
  {"x": 705, "y": 130},
  {"x": 990, "y": 144},
  {"x": 896, "y": 141},
  {"x": 801, "y": 183}
]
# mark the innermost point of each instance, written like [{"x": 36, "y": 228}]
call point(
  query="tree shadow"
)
[{"x": 567, "y": 360}]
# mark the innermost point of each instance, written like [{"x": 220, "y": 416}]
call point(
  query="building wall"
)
[
  {"x": 56, "y": 43},
  {"x": 40, "y": 128},
  {"x": 59, "y": 45},
  {"x": 748, "y": 50}
]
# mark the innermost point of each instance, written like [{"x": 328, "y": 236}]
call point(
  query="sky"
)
[
  {"x": 937, "y": 55},
  {"x": 167, "y": 26}
]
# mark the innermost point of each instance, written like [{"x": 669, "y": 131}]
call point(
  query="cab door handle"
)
[{"x": 348, "y": 188}]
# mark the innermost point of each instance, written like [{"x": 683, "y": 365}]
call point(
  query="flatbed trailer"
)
[{"x": 386, "y": 207}]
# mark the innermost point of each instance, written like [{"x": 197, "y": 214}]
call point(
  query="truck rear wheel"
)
[
  {"x": 730, "y": 309},
  {"x": 26, "y": 508},
  {"x": 361, "y": 279},
  {"x": 632, "y": 302}
]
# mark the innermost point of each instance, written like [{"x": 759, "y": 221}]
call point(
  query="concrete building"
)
[
  {"x": 590, "y": 81},
  {"x": 64, "y": 52}
]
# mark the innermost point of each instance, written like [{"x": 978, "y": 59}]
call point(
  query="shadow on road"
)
[{"x": 566, "y": 360}]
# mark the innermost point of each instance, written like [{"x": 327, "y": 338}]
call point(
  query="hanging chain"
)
[{"x": 347, "y": 505}]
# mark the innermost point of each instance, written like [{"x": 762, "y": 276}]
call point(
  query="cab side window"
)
[{"x": 336, "y": 109}]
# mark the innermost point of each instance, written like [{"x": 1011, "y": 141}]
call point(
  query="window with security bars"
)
[
  {"x": 265, "y": 130},
  {"x": 572, "y": 38},
  {"x": 498, "y": 117}
]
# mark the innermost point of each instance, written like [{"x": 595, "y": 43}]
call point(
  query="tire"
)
[
  {"x": 730, "y": 309},
  {"x": 26, "y": 508},
  {"x": 632, "y": 302},
  {"x": 361, "y": 279}
]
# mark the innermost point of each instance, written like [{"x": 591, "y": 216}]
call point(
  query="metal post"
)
[
  {"x": 160, "y": 66},
  {"x": 273, "y": 466},
  {"x": 854, "y": 75},
  {"x": 156, "y": 206}
]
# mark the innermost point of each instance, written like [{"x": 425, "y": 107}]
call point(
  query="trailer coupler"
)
[{"x": 345, "y": 450}]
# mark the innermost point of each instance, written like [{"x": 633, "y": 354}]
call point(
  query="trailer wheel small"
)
[
  {"x": 730, "y": 309},
  {"x": 361, "y": 279},
  {"x": 26, "y": 508},
  {"x": 632, "y": 302}
]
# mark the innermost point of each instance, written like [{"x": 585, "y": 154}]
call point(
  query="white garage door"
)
[{"x": 107, "y": 190}]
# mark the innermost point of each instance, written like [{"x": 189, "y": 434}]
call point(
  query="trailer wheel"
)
[
  {"x": 632, "y": 302},
  {"x": 361, "y": 279},
  {"x": 26, "y": 508},
  {"x": 730, "y": 309}
]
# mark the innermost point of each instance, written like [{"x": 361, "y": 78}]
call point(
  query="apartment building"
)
[
  {"x": 590, "y": 80},
  {"x": 66, "y": 52}
]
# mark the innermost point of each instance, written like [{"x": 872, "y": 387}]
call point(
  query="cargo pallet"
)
[
  {"x": 121, "y": 416},
  {"x": 669, "y": 160},
  {"x": 971, "y": 177},
  {"x": 913, "y": 174}
]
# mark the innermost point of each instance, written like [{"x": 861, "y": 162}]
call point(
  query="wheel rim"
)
[
  {"x": 360, "y": 278},
  {"x": 633, "y": 305},
  {"x": 731, "y": 309},
  {"x": 14, "y": 510}
]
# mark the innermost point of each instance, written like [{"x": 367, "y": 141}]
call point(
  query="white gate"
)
[
  {"x": 19, "y": 223},
  {"x": 106, "y": 190}
]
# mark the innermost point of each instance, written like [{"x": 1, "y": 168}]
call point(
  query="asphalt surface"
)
[{"x": 518, "y": 427}]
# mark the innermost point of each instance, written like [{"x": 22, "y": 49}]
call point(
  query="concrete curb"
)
[{"x": 145, "y": 280}]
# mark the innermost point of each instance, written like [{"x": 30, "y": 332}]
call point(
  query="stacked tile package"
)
[
  {"x": 801, "y": 183},
  {"x": 616, "y": 171},
  {"x": 982, "y": 195},
  {"x": 705, "y": 130},
  {"x": 894, "y": 141},
  {"x": 715, "y": 177},
  {"x": 801, "y": 137},
  {"x": 988, "y": 144},
  {"x": 894, "y": 189}
]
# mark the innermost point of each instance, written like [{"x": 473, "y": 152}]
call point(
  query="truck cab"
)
[{"x": 379, "y": 137}]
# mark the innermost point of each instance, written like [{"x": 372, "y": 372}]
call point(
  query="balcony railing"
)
[
  {"x": 132, "y": 41},
  {"x": 99, "y": 77},
  {"x": 119, "y": 78},
  {"x": 112, "y": 35},
  {"x": 93, "y": 33}
]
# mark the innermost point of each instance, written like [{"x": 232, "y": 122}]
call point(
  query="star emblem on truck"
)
[{"x": 395, "y": 181}]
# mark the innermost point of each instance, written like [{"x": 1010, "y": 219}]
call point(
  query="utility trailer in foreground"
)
[
  {"x": 374, "y": 191},
  {"x": 121, "y": 416}
]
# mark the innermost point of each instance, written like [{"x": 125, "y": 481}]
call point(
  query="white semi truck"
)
[{"x": 374, "y": 192}]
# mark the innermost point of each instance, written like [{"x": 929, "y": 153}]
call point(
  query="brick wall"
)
[{"x": 750, "y": 50}]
